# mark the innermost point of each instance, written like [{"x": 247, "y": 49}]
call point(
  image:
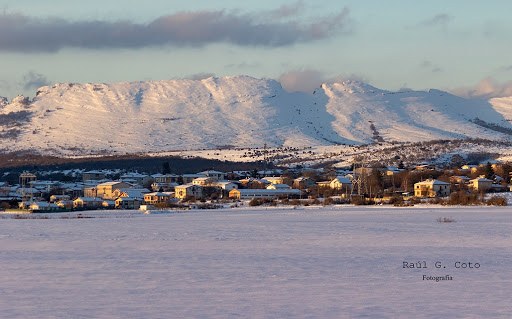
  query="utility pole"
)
[{"x": 27, "y": 180}]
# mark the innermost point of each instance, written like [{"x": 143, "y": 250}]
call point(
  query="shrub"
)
[
  {"x": 437, "y": 200},
  {"x": 360, "y": 200},
  {"x": 414, "y": 200},
  {"x": 497, "y": 201},
  {"x": 256, "y": 202},
  {"x": 464, "y": 198},
  {"x": 396, "y": 200},
  {"x": 328, "y": 201}
]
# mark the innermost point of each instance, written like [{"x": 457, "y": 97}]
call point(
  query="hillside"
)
[{"x": 238, "y": 111}]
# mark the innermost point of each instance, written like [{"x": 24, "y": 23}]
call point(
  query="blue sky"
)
[{"x": 460, "y": 46}]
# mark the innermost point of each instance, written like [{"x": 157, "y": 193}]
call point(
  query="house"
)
[
  {"x": 279, "y": 186},
  {"x": 263, "y": 193},
  {"x": 425, "y": 167},
  {"x": 254, "y": 183},
  {"x": 165, "y": 179},
  {"x": 431, "y": 188},
  {"x": 481, "y": 184},
  {"x": 204, "y": 181},
  {"x": 65, "y": 204},
  {"x": 157, "y": 197},
  {"x": 43, "y": 206},
  {"x": 274, "y": 180},
  {"x": 341, "y": 182},
  {"x": 87, "y": 202},
  {"x": 188, "y": 178},
  {"x": 363, "y": 170},
  {"x": 108, "y": 204},
  {"x": 460, "y": 179},
  {"x": 188, "y": 191},
  {"x": 226, "y": 185},
  {"x": 303, "y": 182},
  {"x": 469, "y": 168},
  {"x": 136, "y": 178},
  {"x": 166, "y": 187},
  {"x": 93, "y": 175},
  {"x": 130, "y": 192},
  {"x": 106, "y": 190},
  {"x": 391, "y": 170},
  {"x": 128, "y": 203},
  {"x": 213, "y": 174},
  {"x": 23, "y": 205},
  {"x": 324, "y": 184},
  {"x": 56, "y": 198}
]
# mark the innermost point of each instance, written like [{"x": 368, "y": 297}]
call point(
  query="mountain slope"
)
[{"x": 237, "y": 111}]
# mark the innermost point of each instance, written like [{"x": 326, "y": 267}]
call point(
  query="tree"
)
[
  {"x": 457, "y": 161},
  {"x": 166, "y": 168},
  {"x": 489, "y": 171}
]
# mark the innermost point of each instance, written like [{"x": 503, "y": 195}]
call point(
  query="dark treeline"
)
[{"x": 19, "y": 162}]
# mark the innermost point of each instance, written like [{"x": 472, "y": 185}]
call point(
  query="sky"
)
[{"x": 459, "y": 46}]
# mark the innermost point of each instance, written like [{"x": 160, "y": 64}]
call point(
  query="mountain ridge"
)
[{"x": 237, "y": 111}]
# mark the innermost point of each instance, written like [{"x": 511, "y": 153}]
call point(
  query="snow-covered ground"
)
[{"x": 312, "y": 262}]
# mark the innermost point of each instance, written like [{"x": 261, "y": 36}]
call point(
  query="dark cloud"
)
[
  {"x": 485, "y": 89},
  {"x": 307, "y": 80},
  {"x": 32, "y": 81},
  {"x": 21, "y": 33}
]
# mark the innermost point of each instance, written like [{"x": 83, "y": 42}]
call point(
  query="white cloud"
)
[{"x": 485, "y": 89}]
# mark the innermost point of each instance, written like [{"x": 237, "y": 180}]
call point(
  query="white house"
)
[
  {"x": 431, "y": 188},
  {"x": 45, "y": 206},
  {"x": 278, "y": 186},
  {"x": 481, "y": 184},
  {"x": 204, "y": 181},
  {"x": 226, "y": 185},
  {"x": 213, "y": 174},
  {"x": 341, "y": 182}
]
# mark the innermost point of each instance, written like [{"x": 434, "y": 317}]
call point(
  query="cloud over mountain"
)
[
  {"x": 485, "y": 89},
  {"x": 22, "y": 33}
]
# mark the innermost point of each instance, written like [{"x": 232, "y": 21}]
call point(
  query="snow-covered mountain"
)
[{"x": 237, "y": 111}]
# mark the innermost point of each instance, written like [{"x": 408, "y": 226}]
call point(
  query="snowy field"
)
[{"x": 313, "y": 262}]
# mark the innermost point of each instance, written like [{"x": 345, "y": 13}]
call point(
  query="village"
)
[{"x": 464, "y": 185}]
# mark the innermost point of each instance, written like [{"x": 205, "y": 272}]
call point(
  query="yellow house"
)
[
  {"x": 188, "y": 190},
  {"x": 157, "y": 197},
  {"x": 341, "y": 182},
  {"x": 87, "y": 202},
  {"x": 431, "y": 188},
  {"x": 471, "y": 168},
  {"x": 128, "y": 203},
  {"x": 106, "y": 190}
]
